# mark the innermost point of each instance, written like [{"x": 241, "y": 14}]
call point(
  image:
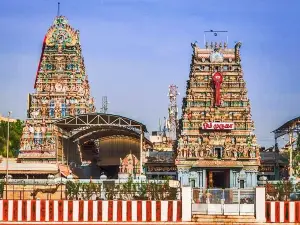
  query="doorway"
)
[
  {"x": 218, "y": 152},
  {"x": 218, "y": 178}
]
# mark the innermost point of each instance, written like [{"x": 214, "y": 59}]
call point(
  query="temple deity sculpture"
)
[
  {"x": 180, "y": 142},
  {"x": 26, "y": 130},
  {"x": 44, "y": 110},
  {"x": 246, "y": 152}
]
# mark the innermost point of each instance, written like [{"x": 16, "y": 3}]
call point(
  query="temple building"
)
[
  {"x": 62, "y": 126},
  {"x": 61, "y": 90},
  {"x": 216, "y": 147},
  {"x": 5, "y": 119},
  {"x": 160, "y": 159},
  {"x": 160, "y": 165}
]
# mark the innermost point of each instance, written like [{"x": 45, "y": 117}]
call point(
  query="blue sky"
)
[{"x": 134, "y": 49}]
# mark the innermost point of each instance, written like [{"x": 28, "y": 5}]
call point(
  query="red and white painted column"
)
[
  {"x": 90, "y": 211},
  {"x": 283, "y": 212}
]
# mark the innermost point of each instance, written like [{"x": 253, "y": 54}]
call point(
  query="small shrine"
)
[{"x": 129, "y": 166}]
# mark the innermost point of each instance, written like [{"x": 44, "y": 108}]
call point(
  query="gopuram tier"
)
[
  {"x": 216, "y": 147},
  {"x": 61, "y": 90}
]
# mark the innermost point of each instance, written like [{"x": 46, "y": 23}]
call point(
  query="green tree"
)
[
  {"x": 15, "y": 133},
  {"x": 296, "y": 158}
]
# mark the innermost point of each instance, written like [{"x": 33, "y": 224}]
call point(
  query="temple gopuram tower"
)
[
  {"x": 216, "y": 146},
  {"x": 61, "y": 90}
]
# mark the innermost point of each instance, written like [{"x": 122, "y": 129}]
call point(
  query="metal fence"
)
[
  {"x": 224, "y": 196},
  {"x": 223, "y": 201}
]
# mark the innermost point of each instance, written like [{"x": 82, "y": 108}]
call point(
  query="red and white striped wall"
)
[
  {"x": 283, "y": 212},
  {"x": 90, "y": 211}
]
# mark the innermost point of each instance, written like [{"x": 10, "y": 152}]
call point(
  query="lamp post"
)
[{"x": 7, "y": 149}]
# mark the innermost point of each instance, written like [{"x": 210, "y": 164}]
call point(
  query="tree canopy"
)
[
  {"x": 296, "y": 158},
  {"x": 15, "y": 133}
]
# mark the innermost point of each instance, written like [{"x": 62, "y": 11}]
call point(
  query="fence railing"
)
[
  {"x": 83, "y": 195},
  {"x": 105, "y": 190},
  {"x": 223, "y": 196},
  {"x": 64, "y": 180}
]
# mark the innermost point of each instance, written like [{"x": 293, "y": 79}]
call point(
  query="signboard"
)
[
  {"x": 161, "y": 169},
  {"x": 174, "y": 183},
  {"x": 268, "y": 156},
  {"x": 86, "y": 163},
  {"x": 266, "y": 169},
  {"x": 217, "y": 126}
]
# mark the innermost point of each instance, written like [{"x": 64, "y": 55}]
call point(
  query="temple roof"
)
[
  {"x": 291, "y": 125},
  {"x": 98, "y": 119},
  {"x": 59, "y": 34}
]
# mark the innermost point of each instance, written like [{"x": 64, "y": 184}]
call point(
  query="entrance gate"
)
[{"x": 223, "y": 201}]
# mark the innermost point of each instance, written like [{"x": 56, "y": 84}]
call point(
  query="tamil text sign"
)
[{"x": 217, "y": 126}]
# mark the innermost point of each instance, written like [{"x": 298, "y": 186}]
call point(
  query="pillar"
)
[
  {"x": 254, "y": 179},
  {"x": 204, "y": 178},
  {"x": 186, "y": 204},
  {"x": 248, "y": 179},
  {"x": 260, "y": 204},
  {"x": 180, "y": 176},
  {"x": 183, "y": 176},
  {"x": 201, "y": 178},
  {"x": 232, "y": 176}
]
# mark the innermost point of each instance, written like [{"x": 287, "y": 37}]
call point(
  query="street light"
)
[{"x": 7, "y": 149}]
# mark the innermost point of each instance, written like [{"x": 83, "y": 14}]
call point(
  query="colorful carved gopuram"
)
[
  {"x": 61, "y": 90},
  {"x": 216, "y": 146}
]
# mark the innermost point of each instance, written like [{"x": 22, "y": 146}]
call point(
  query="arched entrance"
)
[{"x": 94, "y": 143}]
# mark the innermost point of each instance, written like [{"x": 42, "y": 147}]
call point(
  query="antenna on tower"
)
[
  {"x": 104, "y": 104},
  {"x": 159, "y": 125},
  {"x": 58, "y": 9},
  {"x": 173, "y": 111},
  {"x": 215, "y": 33}
]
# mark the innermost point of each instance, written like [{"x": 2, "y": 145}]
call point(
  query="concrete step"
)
[{"x": 223, "y": 219}]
